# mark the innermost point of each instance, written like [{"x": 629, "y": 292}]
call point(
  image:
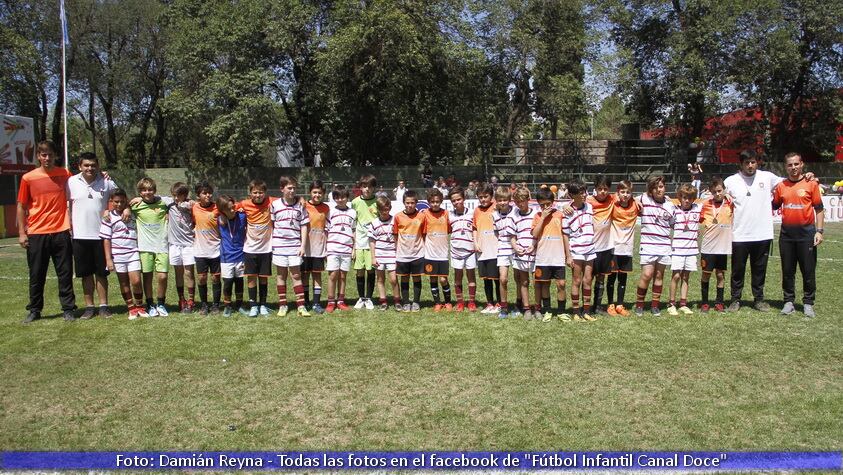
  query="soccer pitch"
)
[{"x": 387, "y": 381}]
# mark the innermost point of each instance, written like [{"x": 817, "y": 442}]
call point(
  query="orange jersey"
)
[
  {"x": 484, "y": 224},
  {"x": 258, "y": 226},
  {"x": 550, "y": 250},
  {"x": 435, "y": 235},
  {"x": 206, "y": 241},
  {"x": 44, "y": 195},
  {"x": 799, "y": 201},
  {"x": 717, "y": 223},
  {"x": 602, "y": 222},
  {"x": 316, "y": 243},
  {"x": 409, "y": 244},
  {"x": 623, "y": 227}
]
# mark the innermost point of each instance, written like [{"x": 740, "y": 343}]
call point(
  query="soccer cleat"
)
[
  {"x": 215, "y": 309},
  {"x": 515, "y": 313},
  {"x": 152, "y": 310},
  {"x": 601, "y": 312},
  {"x": 734, "y": 306},
  {"x": 671, "y": 310},
  {"x": 577, "y": 318},
  {"x": 162, "y": 311},
  {"x": 460, "y": 307},
  {"x": 621, "y": 310},
  {"x": 720, "y": 307},
  {"x": 704, "y": 308},
  {"x": 282, "y": 311},
  {"x": 502, "y": 314},
  {"x": 407, "y": 308},
  {"x": 142, "y": 311},
  {"x": 331, "y": 307},
  {"x": 639, "y": 311},
  {"x": 317, "y": 309},
  {"x": 808, "y": 310},
  {"x": 655, "y": 311},
  {"x": 133, "y": 313},
  {"x": 528, "y": 315},
  {"x": 253, "y": 312},
  {"x": 105, "y": 312},
  {"x": 547, "y": 317},
  {"x": 264, "y": 311},
  {"x": 564, "y": 317},
  {"x": 762, "y": 306},
  {"x": 437, "y": 308},
  {"x": 369, "y": 304},
  {"x": 448, "y": 307},
  {"x": 87, "y": 314},
  {"x": 227, "y": 311},
  {"x": 384, "y": 307},
  {"x": 203, "y": 309},
  {"x": 302, "y": 311},
  {"x": 244, "y": 311},
  {"x": 398, "y": 307},
  {"x": 183, "y": 308},
  {"x": 360, "y": 304},
  {"x": 415, "y": 307},
  {"x": 611, "y": 311},
  {"x": 190, "y": 305},
  {"x": 489, "y": 308},
  {"x": 685, "y": 310},
  {"x": 341, "y": 305},
  {"x": 788, "y": 308},
  {"x": 472, "y": 307},
  {"x": 587, "y": 317}
]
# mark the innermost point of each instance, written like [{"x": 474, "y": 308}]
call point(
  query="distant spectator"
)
[
  {"x": 451, "y": 181},
  {"x": 695, "y": 169},
  {"x": 427, "y": 176},
  {"x": 562, "y": 194},
  {"x": 441, "y": 186},
  {"x": 471, "y": 190},
  {"x": 399, "y": 191},
  {"x": 381, "y": 192},
  {"x": 493, "y": 181}
]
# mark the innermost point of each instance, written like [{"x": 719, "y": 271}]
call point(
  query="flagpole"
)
[{"x": 64, "y": 80}]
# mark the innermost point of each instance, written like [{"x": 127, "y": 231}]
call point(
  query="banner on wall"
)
[{"x": 17, "y": 145}]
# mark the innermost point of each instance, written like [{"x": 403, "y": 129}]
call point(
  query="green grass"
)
[{"x": 382, "y": 380}]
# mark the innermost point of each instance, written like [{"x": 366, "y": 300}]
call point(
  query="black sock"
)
[
  {"x": 361, "y": 286},
  {"x": 546, "y": 304},
  {"x": 598, "y": 294},
  {"x": 497, "y": 284},
  {"x": 307, "y": 296},
  {"x": 610, "y": 287},
  {"x": 719, "y": 294},
  {"x": 227, "y": 285},
  {"x": 488, "y": 287},
  {"x": 263, "y": 289},
  {"x": 518, "y": 303},
  {"x": 238, "y": 289},
  {"x": 149, "y": 302},
  {"x": 621, "y": 287},
  {"x": 370, "y": 284},
  {"x": 560, "y": 306},
  {"x": 704, "y": 292},
  {"x": 161, "y": 301},
  {"x": 180, "y": 291},
  {"x": 446, "y": 292},
  {"x": 434, "y": 289},
  {"x": 217, "y": 290},
  {"x": 417, "y": 287},
  {"x": 203, "y": 293},
  {"x": 317, "y": 295},
  {"x": 253, "y": 295},
  {"x": 405, "y": 292}
]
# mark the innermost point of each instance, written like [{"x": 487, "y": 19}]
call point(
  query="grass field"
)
[{"x": 383, "y": 380}]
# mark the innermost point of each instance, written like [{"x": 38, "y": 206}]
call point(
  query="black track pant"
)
[
  {"x": 758, "y": 253},
  {"x": 805, "y": 254},
  {"x": 42, "y": 248}
]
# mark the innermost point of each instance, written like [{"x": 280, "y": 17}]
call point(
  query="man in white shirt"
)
[
  {"x": 399, "y": 191},
  {"x": 88, "y": 193}
]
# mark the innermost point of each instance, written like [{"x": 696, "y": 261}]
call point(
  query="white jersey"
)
[
  {"x": 504, "y": 230},
  {"x": 579, "y": 227},
  {"x": 462, "y": 234},
  {"x": 287, "y": 221},
  {"x": 341, "y": 227},
  {"x": 752, "y": 198},
  {"x": 686, "y": 231},
  {"x": 380, "y": 232},
  {"x": 123, "y": 236},
  {"x": 522, "y": 227},
  {"x": 656, "y": 222}
]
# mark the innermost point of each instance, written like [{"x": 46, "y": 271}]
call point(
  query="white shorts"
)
[
  {"x": 181, "y": 255},
  {"x": 583, "y": 257},
  {"x": 688, "y": 263},
  {"x": 286, "y": 261},
  {"x": 466, "y": 263},
  {"x": 342, "y": 263},
  {"x": 505, "y": 261},
  {"x": 231, "y": 270},
  {"x": 123, "y": 267},
  {"x": 524, "y": 266},
  {"x": 387, "y": 267},
  {"x": 648, "y": 259}
]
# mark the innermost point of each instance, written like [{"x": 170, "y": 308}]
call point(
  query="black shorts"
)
[
  {"x": 257, "y": 264},
  {"x": 622, "y": 264},
  {"x": 207, "y": 264},
  {"x": 312, "y": 264},
  {"x": 415, "y": 267},
  {"x": 603, "y": 262},
  {"x": 89, "y": 258},
  {"x": 436, "y": 268},
  {"x": 488, "y": 269},
  {"x": 712, "y": 262},
  {"x": 548, "y": 273}
]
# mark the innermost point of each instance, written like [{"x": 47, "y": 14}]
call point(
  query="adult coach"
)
[
  {"x": 802, "y": 231},
  {"x": 43, "y": 220},
  {"x": 89, "y": 192}
]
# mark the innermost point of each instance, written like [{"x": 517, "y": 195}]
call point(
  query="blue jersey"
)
[{"x": 233, "y": 234}]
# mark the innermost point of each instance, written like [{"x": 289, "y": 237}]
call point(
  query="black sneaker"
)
[
  {"x": 105, "y": 312},
  {"x": 215, "y": 309},
  {"x": 86, "y": 315},
  {"x": 33, "y": 315},
  {"x": 203, "y": 309},
  {"x": 68, "y": 316}
]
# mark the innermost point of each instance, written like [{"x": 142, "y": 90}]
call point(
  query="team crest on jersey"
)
[
  {"x": 428, "y": 268},
  {"x": 802, "y": 193},
  {"x": 538, "y": 273}
]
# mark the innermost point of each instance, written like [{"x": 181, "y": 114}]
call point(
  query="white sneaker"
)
[
  {"x": 162, "y": 311},
  {"x": 152, "y": 311},
  {"x": 671, "y": 310},
  {"x": 489, "y": 308},
  {"x": 360, "y": 304},
  {"x": 264, "y": 310},
  {"x": 369, "y": 304}
]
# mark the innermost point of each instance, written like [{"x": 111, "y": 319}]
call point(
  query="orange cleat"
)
[
  {"x": 612, "y": 311},
  {"x": 448, "y": 307},
  {"x": 620, "y": 310},
  {"x": 341, "y": 305},
  {"x": 472, "y": 307},
  {"x": 460, "y": 307},
  {"x": 437, "y": 308}
]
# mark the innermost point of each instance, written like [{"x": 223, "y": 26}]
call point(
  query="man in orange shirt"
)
[
  {"x": 44, "y": 231},
  {"x": 802, "y": 231}
]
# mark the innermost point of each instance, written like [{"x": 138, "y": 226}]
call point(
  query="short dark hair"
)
[
  {"x": 368, "y": 180},
  {"x": 257, "y": 183},
  {"x": 340, "y": 191},
  {"x": 653, "y": 182},
  {"x": 625, "y": 185},
  {"x": 410, "y": 194},
  {"x": 486, "y": 189},
  {"x": 716, "y": 181},
  {"x": 119, "y": 192},
  {"x": 457, "y": 190},
  {"x": 316, "y": 184},
  {"x": 575, "y": 188},
  {"x": 544, "y": 194},
  {"x": 433, "y": 193},
  {"x": 791, "y": 155},
  {"x": 603, "y": 180},
  {"x": 179, "y": 188},
  {"x": 203, "y": 186},
  {"x": 90, "y": 156},
  {"x": 748, "y": 154},
  {"x": 285, "y": 180},
  {"x": 47, "y": 146}
]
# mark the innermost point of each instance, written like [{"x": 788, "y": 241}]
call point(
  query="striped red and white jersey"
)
[
  {"x": 656, "y": 222},
  {"x": 579, "y": 227},
  {"x": 686, "y": 230},
  {"x": 602, "y": 222},
  {"x": 341, "y": 227},
  {"x": 504, "y": 231},
  {"x": 287, "y": 220},
  {"x": 522, "y": 225},
  {"x": 123, "y": 236},
  {"x": 461, "y": 227},
  {"x": 381, "y": 233}
]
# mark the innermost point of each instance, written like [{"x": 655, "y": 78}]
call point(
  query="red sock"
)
[
  {"x": 282, "y": 294},
  {"x": 640, "y": 296},
  {"x": 299, "y": 290},
  {"x": 472, "y": 292},
  {"x": 586, "y": 299},
  {"x": 657, "y": 295}
]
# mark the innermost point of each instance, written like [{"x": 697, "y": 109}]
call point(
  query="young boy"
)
[
  {"x": 181, "y": 236},
  {"x": 716, "y": 218},
  {"x": 409, "y": 250},
  {"x": 552, "y": 252},
  {"x": 120, "y": 243},
  {"x": 382, "y": 246},
  {"x": 504, "y": 233},
  {"x": 579, "y": 231},
  {"x": 257, "y": 250},
  {"x": 342, "y": 222},
  {"x": 656, "y": 221},
  {"x": 624, "y": 217},
  {"x": 683, "y": 260},
  {"x": 486, "y": 245},
  {"x": 602, "y": 203},
  {"x": 206, "y": 246},
  {"x": 364, "y": 206},
  {"x": 435, "y": 232},
  {"x": 291, "y": 227},
  {"x": 463, "y": 260},
  {"x": 313, "y": 262},
  {"x": 523, "y": 245},
  {"x": 151, "y": 217},
  {"x": 232, "y": 227}
]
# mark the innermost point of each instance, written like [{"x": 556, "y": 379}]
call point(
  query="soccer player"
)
[
  {"x": 151, "y": 217},
  {"x": 684, "y": 248},
  {"x": 313, "y": 262},
  {"x": 364, "y": 207},
  {"x": 463, "y": 259},
  {"x": 655, "y": 246},
  {"x": 206, "y": 246},
  {"x": 486, "y": 245},
  {"x": 435, "y": 232},
  {"x": 409, "y": 246},
  {"x": 382, "y": 246},
  {"x": 180, "y": 237},
  {"x": 552, "y": 252},
  {"x": 524, "y": 250},
  {"x": 291, "y": 226},
  {"x": 602, "y": 204},
  {"x": 716, "y": 218},
  {"x": 504, "y": 233},
  {"x": 624, "y": 216},
  {"x": 340, "y": 249},
  {"x": 232, "y": 227},
  {"x": 579, "y": 231},
  {"x": 120, "y": 244},
  {"x": 257, "y": 250}
]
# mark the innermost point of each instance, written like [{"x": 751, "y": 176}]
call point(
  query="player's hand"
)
[
  {"x": 23, "y": 240},
  {"x": 547, "y": 212},
  {"x": 811, "y": 177},
  {"x": 818, "y": 239},
  {"x": 353, "y": 254},
  {"x": 105, "y": 175},
  {"x": 134, "y": 201},
  {"x": 127, "y": 215},
  {"x": 374, "y": 262},
  {"x": 301, "y": 253},
  {"x": 110, "y": 267},
  {"x": 568, "y": 210},
  {"x": 529, "y": 250}
]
